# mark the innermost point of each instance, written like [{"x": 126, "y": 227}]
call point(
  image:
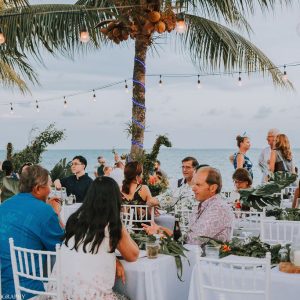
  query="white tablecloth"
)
[
  {"x": 68, "y": 210},
  {"x": 283, "y": 286},
  {"x": 156, "y": 279}
]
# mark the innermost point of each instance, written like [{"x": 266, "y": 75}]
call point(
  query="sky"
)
[{"x": 209, "y": 117}]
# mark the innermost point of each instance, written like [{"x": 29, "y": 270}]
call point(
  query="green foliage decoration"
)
[
  {"x": 61, "y": 169},
  {"x": 289, "y": 214},
  {"x": 268, "y": 193},
  {"x": 35, "y": 148}
]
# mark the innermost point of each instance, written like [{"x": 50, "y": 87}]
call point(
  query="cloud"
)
[
  {"x": 213, "y": 112},
  {"x": 263, "y": 112},
  {"x": 72, "y": 113}
]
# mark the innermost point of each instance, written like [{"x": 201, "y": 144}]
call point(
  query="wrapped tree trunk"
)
[{"x": 138, "y": 93}]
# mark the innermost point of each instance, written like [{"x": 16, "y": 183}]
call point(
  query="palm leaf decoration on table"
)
[
  {"x": 268, "y": 193},
  {"x": 167, "y": 246},
  {"x": 289, "y": 214},
  {"x": 60, "y": 170}
]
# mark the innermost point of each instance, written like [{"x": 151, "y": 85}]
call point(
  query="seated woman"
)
[
  {"x": 133, "y": 191},
  {"x": 242, "y": 180},
  {"x": 92, "y": 234}
]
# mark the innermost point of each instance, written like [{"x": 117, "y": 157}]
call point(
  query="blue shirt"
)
[{"x": 32, "y": 224}]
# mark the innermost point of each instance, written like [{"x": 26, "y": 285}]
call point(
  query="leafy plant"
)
[
  {"x": 289, "y": 214},
  {"x": 268, "y": 193},
  {"x": 61, "y": 169},
  {"x": 251, "y": 246},
  {"x": 33, "y": 151},
  {"x": 167, "y": 246}
]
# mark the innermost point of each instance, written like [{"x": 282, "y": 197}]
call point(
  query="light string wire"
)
[
  {"x": 137, "y": 103},
  {"x": 166, "y": 75}
]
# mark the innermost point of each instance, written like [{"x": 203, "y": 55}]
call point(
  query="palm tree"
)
[{"x": 209, "y": 38}]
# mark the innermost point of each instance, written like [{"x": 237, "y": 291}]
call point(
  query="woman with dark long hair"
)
[
  {"x": 133, "y": 191},
  {"x": 92, "y": 235},
  {"x": 281, "y": 157}
]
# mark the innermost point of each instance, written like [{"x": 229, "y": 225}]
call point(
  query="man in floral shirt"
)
[{"x": 213, "y": 217}]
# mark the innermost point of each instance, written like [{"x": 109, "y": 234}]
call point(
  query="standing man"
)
[
  {"x": 78, "y": 183},
  {"x": 99, "y": 169},
  {"x": 264, "y": 157}
]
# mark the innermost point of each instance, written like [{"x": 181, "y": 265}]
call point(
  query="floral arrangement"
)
[
  {"x": 289, "y": 214},
  {"x": 168, "y": 246},
  {"x": 157, "y": 185},
  {"x": 251, "y": 246}
]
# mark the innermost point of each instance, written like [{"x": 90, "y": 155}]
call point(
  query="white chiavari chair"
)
[
  {"x": 232, "y": 279},
  {"x": 141, "y": 214},
  {"x": 278, "y": 231},
  {"x": 184, "y": 217},
  {"x": 29, "y": 264},
  {"x": 127, "y": 219}
]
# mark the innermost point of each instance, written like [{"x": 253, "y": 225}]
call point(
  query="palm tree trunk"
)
[{"x": 138, "y": 93}]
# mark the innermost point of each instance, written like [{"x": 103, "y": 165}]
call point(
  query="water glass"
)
[
  {"x": 152, "y": 249},
  {"x": 212, "y": 251}
]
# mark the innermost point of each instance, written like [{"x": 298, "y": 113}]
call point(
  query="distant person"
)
[
  {"x": 93, "y": 233},
  {"x": 107, "y": 170},
  {"x": 9, "y": 184},
  {"x": 24, "y": 167},
  {"x": 99, "y": 168},
  {"x": 32, "y": 221},
  {"x": 264, "y": 158},
  {"x": 157, "y": 168},
  {"x": 118, "y": 171},
  {"x": 281, "y": 156},
  {"x": 240, "y": 160},
  {"x": 77, "y": 184}
]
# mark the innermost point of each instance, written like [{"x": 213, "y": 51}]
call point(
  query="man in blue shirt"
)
[{"x": 31, "y": 222}]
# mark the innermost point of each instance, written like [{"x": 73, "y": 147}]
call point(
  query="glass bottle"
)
[{"x": 177, "y": 232}]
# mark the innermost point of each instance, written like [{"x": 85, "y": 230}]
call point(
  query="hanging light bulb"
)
[
  {"x": 126, "y": 87},
  {"x": 2, "y": 38},
  {"x": 160, "y": 81},
  {"x": 84, "y": 35},
  {"x": 37, "y": 106},
  {"x": 240, "y": 80},
  {"x": 11, "y": 108},
  {"x": 284, "y": 76},
  {"x": 199, "y": 82},
  {"x": 65, "y": 103},
  {"x": 94, "y": 96},
  {"x": 180, "y": 23}
]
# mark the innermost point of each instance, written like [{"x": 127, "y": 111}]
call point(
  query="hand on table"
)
[
  {"x": 57, "y": 184},
  {"x": 120, "y": 271},
  {"x": 151, "y": 229}
]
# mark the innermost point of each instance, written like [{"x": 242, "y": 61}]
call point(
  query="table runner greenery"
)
[{"x": 167, "y": 246}]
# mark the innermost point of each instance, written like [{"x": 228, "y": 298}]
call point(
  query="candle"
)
[{"x": 296, "y": 260}]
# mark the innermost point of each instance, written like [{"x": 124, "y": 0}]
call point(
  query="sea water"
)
[{"x": 170, "y": 159}]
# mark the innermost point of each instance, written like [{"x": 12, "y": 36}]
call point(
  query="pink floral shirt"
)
[{"x": 213, "y": 219}]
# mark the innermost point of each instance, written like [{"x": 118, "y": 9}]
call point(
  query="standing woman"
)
[
  {"x": 281, "y": 157},
  {"x": 240, "y": 160}
]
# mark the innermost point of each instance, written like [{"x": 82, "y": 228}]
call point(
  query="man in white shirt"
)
[{"x": 264, "y": 157}]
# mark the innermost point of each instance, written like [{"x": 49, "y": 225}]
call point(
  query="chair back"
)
[
  {"x": 127, "y": 219},
  {"x": 245, "y": 279},
  {"x": 278, "y": 231},
  {"x": 141, "y": 214},
  {"x": 35, "y": 265},
  {"x": 248, "y": 220}
]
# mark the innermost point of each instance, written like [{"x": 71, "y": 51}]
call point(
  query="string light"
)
[
  {"x": 37, "y": 106},
  {"x": 2, "y": 37},
  {"x": 126, "y": 87},
  {"x": 94, "y": 96},
  {"x": 240, "y": 80},
  {"x": 199, "y": 82},
  {"x": 180, "y": 23},
  {"x": 65, "y": 103},
  {"x": 284, "y": 76},
  {"x": 160, "y": 81},
  {"x": 11, "y": 108}
]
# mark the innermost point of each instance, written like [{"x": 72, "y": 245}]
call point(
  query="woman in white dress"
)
[{"x": 92, "y": 234}]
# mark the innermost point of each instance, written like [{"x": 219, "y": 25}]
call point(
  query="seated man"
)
[
  {"x": 213, "y": 217},
  {"x": 31, "y": 222},
  {"x": 78, "y": 183}
]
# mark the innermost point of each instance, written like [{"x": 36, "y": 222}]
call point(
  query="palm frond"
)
[{"x": 214, "y": 46}]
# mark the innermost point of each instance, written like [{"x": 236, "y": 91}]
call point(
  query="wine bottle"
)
[{"x": 177, "y": 232}]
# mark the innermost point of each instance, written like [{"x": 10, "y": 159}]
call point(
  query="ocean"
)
[{"x": 170, "y": 159}]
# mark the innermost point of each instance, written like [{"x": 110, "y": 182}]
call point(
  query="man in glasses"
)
[
  {"x": 78, "y": 183},
  {"x": 264, "y": 157}
]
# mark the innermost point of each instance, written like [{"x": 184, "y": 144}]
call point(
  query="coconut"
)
[
  {"x": 110, "y": 35},
  {"x": 116, "y": 32},
  {"x": 111, "y": 25},
  {"x": 160, "y": 27},
  {"x": 104, "y": 30},
  {"x": 154, "y": 16},
  {"x": 148, "y": 26}
]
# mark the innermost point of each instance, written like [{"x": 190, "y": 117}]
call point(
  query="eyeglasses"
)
[{"x": 75, "y": 164}]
